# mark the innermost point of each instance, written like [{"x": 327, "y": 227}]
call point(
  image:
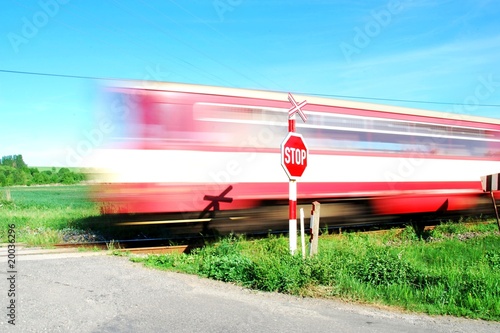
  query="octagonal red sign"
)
[{"x": 294, "y": 155}]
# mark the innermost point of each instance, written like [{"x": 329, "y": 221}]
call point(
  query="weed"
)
[
  {"x": 448, "y": 228},
  {"x": 492, "y": 258},
  {"x": 383, "y": 268},
  {"x": 111, "y": 245},
  {"x": 409, "y": 234},
  {"x": 41, "y": 236}
]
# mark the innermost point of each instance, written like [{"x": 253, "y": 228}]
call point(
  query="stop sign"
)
[{"x": 294, "y": 155}]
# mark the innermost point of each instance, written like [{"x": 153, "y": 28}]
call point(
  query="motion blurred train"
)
[{"x": 193, "y": 149}]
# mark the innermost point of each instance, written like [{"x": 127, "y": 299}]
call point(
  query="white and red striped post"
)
[
  {"x": 292, "y": 195},
  {"x": 292, "y": 199},
  {"x": 292, "y": 215}
]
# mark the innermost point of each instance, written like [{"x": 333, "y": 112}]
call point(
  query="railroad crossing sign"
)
[
  {"x": 294, "y": 155},
  {"x": 296, "y": 108}
]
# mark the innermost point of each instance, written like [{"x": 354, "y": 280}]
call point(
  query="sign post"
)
[{"x": 294, "y": 156}]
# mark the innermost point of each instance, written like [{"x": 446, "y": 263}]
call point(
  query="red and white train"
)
[{"x": 191, "y": 148}]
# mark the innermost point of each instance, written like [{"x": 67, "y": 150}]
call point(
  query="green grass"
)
[
  {"x": 49, "y": 197},
  {"x": 41, "y": 213},
  {"x": 46, "y": 215},
  {"x": 450, "y": 275}
]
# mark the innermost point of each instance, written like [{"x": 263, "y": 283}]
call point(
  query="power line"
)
[
  {"x": 394, "y": 100},
  {"x": 311, "y": 94},
  {"x": 59, "y": 75}
]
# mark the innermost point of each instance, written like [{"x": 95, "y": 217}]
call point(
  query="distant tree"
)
[
  {"x": 8, "y": 175},
  {"x": 19, "y": 163},
  {"x": 33, "y": 172},
  {"x": 66, "y": 176},
  {"x": 20, "y": 177},
  {"x": 15, "y": 161},
  {"x": 14, "y": 171},
  {"x": 68, "y": 179},
  {"x": 9, "y": 181},
  {"x": 40, "y": 178},
  {"x": 63, "y": 171},
  {"x": 54, "y": 179},
  {"x": 7, "y": 160},
  {"x": 80, "y": 177}
]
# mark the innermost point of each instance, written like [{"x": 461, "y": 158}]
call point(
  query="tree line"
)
[{"x": 14, "y": 171}]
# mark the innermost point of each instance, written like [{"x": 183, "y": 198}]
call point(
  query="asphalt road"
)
[{"x": 85, "y": 292}]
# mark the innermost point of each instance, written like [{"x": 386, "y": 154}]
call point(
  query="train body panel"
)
[
  {"x": 208, "y": 167},
  {"x": 182, "y": 148}
]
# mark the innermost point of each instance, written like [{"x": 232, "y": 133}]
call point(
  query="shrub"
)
[
  {"x": 377, "y": 268},
  {"x": 280, "y": 273},
  {"x": 228, "y": 268},
  {"x": 225, "y": 262}
]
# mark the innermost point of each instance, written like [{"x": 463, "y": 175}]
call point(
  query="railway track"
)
[
  {"x": 174, "y": 233},
  {"x": 136, "y": 246},
  {"x": 164, "y": 245}
]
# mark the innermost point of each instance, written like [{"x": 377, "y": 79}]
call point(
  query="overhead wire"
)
[
  {"x": 303, "y": 93},
  {"x": 394, "y": 100}
]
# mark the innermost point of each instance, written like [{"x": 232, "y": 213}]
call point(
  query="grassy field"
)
[
  {"x": 46, "y": 215},
  {"x": 43, "y": 214}
]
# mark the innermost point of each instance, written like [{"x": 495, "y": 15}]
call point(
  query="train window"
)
[
  {"x": 242, "y": 125},
  {"x": 493, "y": 148},
  {"x": 342, "y": 132},
  {"x": 262, "y": 127}
]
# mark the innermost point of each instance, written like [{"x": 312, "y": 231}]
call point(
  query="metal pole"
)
[
  {"x": 291, "y": 124},
  {"x": 292, "y": 201}
]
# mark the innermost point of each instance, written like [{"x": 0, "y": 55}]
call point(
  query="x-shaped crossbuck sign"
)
[{"x": 296, "y": 108}]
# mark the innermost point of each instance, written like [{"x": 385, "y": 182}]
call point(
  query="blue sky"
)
[{"x": 433, "y": 51}]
